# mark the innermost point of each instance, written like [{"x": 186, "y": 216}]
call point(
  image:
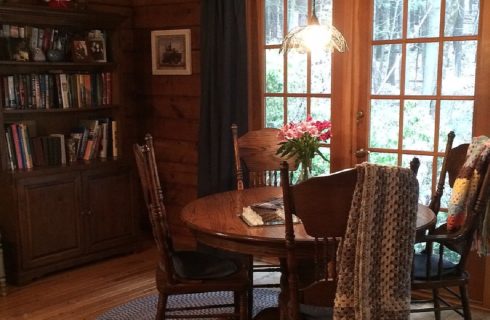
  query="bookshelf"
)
[{"x": 66, "y": 187}]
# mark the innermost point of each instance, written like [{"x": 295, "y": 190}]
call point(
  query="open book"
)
[{"x": 267, "y": 213}]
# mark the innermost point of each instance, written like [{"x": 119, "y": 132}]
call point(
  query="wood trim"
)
[
  {"x": 482, "y": 112},
  {"x": 482, "y": 85},
  {"x": 254, "y": 17}
]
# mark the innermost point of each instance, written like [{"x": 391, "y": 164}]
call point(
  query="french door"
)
[
  {"x": 423, "y": 57},
  {"x": 420, "y": 70}
]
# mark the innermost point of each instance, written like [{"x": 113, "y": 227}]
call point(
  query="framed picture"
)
[
  {"x": 171, "y": 52},
  {"x": 96, "y": 46},
  {"x": 80, "y": 51}
]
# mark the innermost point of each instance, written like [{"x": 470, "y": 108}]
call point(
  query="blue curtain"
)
[{"x": 223, "y": 91}]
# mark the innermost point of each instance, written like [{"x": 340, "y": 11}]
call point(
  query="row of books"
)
[
  {"x": 43, "y": 38},
  {"x": 50, "y": 91},
  {"x": 93, "y": 139}
]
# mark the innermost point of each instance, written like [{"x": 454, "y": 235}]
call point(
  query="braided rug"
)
[{"x": 376, "y": 256}]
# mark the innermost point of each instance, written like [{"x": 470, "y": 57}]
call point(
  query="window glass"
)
[
  {"x": 423, "y": 18},
  {"x": 385, "y": 77},
  {"x": 387, "y": 22}
]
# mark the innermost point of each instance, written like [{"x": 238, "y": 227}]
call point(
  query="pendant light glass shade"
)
[{"x": 313, "y": 37}]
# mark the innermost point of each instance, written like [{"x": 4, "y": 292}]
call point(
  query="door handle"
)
[{"x": 361, "y": 153}]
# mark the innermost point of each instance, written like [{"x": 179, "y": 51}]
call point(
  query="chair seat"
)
[
  {"x": 311, "y": 312},
  {"x": 420, "y": 266},
  {"x": 202, "y": 266}
]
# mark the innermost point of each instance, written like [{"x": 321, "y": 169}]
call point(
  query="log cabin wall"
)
[{"x": 170, "y": 104}]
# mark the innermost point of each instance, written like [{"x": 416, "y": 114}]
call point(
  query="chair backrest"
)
[
  {"x": 153, "y": 195},
  {"x": 454, "y": 159},
  {"x": 257, "y": 150},
  {"x": 325, "y": 219},
  {"x": 462, "y": 240}
]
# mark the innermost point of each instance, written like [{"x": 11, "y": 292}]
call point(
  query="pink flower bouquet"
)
[{"x": 302, "y": 140}]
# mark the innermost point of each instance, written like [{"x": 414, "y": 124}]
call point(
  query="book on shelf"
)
[
  {"x": 19, "y": 142},
  {"x": 26, "y": 145},
  {"x": 12, "y": 130},
  {"x": 38, "y": 152},
  {"x": 60, "y": 90},
  {"x": 62, "y": 146},
  {"x": 64, "y": 91},
  {"x": 115, "y": 151},
  {"x": 11, "y": 161}
]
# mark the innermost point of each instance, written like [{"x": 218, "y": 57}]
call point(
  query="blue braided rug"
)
[{"x": 145, "y": 308}]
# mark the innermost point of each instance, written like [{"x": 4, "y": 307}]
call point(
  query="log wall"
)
[{"x": 169, "y": 104}]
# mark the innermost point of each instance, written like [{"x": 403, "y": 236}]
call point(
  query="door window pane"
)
[
  {"x": 423, "y": 18},
  {"x": 424, "y": 175},
  {"x": 388, "y": 15},
  {"x": 297, "y": 13},
  {"x": 274, "y": 21},
  {"x": 385, "y": 77},
  {"x": 320, "y": 108},
  {"x": 421, "y": 68},
  {"x": 462, "y": 17},
  {"x": 297, "y": 72},
  {"x": 446, "y": 195},
  {"x": 321, "y": 72},
  {"x": 274, "y": 68},
  {"x": 389, "y": 159},
  {"x": 418, "y": 124},
  {"x": 274, "y": 112},
  {"x": 457, "y": 116},
  {"x": 296, "y": 109},
  {"x": 384, "y": 124},
  {"x": 324, "y": 11},
  {"x": 459, "y": 65}
]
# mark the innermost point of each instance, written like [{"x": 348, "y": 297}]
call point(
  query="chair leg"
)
[
  {"x": 250, "y": 286},
  {"x": 162, "y": 305},
  {"x": 435, "y": 296},
  {"x": 241, "y": 304},
  {"x": 465, "y": 301}
]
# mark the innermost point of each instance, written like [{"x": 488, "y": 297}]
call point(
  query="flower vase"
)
[{"x": 305, "y": 170}]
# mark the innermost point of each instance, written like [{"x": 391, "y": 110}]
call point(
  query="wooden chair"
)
[
  {"x": 183, "y": 272},
  {"x": 454, "y": 159},
  {"x": 256, "y": 150},
  {"x": 434, "y": 271},
  {"x": 333, "y": 197}
]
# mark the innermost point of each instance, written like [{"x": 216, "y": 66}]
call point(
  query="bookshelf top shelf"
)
[
  {"x": 53, "y": 67},
  {"x": 44, "y": 16}
]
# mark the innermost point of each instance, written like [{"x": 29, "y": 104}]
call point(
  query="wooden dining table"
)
[{"x": 215, "y": 220}]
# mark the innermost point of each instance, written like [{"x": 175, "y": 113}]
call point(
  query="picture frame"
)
[
  {"x": 171, "y": 52},
  {"x": 80, "y": 51},
  {"x": 96, "y": 46}
]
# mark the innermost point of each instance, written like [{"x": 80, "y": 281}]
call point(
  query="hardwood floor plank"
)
[{"x": 86, "y": 292}]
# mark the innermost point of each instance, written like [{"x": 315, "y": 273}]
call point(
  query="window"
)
[
  {"x": 295, "y": 85},
  {"x": 423, "y": 67}
]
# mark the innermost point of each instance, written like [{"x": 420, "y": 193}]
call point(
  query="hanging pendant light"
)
[{"x": 313, "y": 37}]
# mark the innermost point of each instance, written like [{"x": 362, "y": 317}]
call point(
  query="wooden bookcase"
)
[{"x": 58, "y": 216}]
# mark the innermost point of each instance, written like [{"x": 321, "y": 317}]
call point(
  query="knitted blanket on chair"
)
[
  {"x": 376, "y": 254},
  {"x": 464, "y": 191}
]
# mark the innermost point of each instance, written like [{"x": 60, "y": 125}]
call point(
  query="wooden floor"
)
[{"x": 88, "y": 291}]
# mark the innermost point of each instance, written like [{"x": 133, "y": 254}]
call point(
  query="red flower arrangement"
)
[{"x": 302, "y": 140}]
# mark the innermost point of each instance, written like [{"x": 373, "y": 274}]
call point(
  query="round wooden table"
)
[{"x": 215, "y": 220}]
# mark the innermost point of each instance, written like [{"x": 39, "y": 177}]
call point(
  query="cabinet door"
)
[
  {"x": 110, "y": 219},
  {"x": 49, "y": 220}
]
